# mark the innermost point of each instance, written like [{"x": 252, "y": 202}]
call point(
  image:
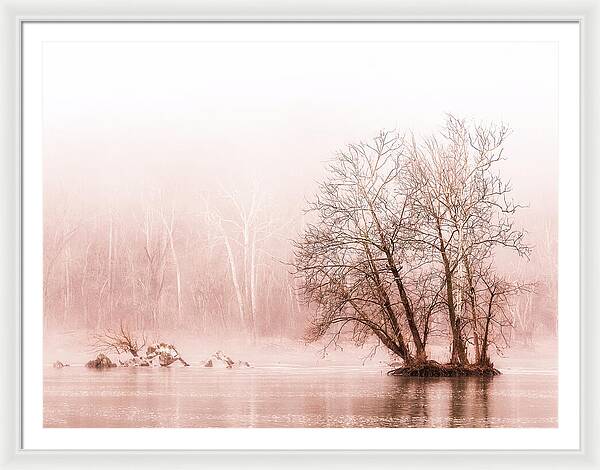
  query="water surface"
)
[{"x": 293, "y": 397}]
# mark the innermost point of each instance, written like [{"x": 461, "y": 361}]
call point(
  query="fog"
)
[{"x": 172, "y": 168}]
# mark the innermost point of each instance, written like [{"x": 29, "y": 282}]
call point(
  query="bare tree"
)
[
  {"x": 350, "y": 262},
  {"x": 400, "y": 226},
  {"x": 145, "y": 263},
  {"x": 463, "y": 212},
  {"x": 119, "y": 341},
  {"x": 244, "y": 226},
  {"x": 152, "y": 279},
  {"x": 497, "y": 293},
  {"x": 169, "y": 230},
  {"x": 56, "y": 244}
]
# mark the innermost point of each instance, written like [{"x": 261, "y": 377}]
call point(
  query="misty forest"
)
[{"x": 396, "y": 248}]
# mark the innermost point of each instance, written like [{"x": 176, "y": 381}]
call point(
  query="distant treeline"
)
[{"x": 216, "y": 266}]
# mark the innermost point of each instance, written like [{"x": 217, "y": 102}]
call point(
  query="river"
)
[{"x": 287, "y": 396}]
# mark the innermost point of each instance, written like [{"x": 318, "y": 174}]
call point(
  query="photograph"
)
[{"x": 300, "y": 226}]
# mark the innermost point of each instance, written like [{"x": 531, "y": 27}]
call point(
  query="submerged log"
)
[
  {"x": 435, "y": 369},
  {"x": 101, "y": 362}
]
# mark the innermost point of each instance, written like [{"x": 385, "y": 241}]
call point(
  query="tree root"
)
[{"x": 435, "y": 369}]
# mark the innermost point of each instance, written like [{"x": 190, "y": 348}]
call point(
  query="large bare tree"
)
[
  {"x": 399, "y": 228},
  {"x": 352, "y": 262}
]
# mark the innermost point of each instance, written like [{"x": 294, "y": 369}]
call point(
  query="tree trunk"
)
[
  {"x": 484, "y": 359},
  {"x": 83, "y": 290},
  {"x": 459, "y": 354},
  {"x": 169, "y": 229},
  {"x": 253, "y": 286},
  {"x": 421, "y": 355},
  {"x": 401, "y": 349},
  {"x": 472, "y": 304},
  {"x": 245, "y": 274},
  {"x": 408, "y": 311},
  {"x": 238, "y": 291},
  {"x": 67, "y": 298},
  {"x": 110, "y": 268}
]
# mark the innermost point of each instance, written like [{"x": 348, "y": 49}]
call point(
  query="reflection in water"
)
[
  {"x": 408, "y": 400},
  {"x": 292, "y": 397},
  {"x": 469, "y": 400},
  {"x": 421, "y": 401},
  {"x": 459, "y": 388},
  {"x": 484, "y": 384}
]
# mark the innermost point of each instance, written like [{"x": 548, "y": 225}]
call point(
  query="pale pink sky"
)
[{"x": 120, "y": 116}]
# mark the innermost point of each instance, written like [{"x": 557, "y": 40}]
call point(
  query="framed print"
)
[{"x": 262, "y": 236}]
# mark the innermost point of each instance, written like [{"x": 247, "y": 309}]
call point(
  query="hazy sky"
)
[{"x": 119, "y": 115}]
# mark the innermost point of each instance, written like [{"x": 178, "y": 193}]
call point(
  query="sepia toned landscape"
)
[{"x": 300, "y": 235}]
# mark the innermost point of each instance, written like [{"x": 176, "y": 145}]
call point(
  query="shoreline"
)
[{"x": 435, "y": 369}]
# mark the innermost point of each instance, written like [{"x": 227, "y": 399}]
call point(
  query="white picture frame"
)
[{"x": 15, "y": 14}]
